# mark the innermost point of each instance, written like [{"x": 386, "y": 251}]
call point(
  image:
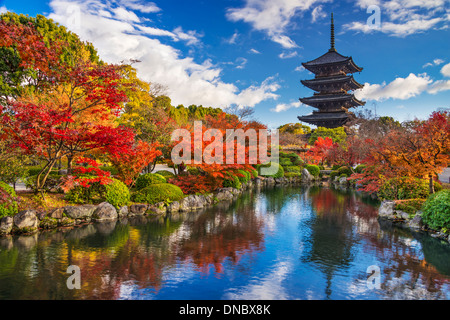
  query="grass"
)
[{"x": 28, "y": 200}]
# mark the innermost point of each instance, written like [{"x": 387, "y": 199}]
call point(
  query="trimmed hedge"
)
[
  {"x": 148, "y": 179},
  {"x": 279, "y": 173},
  {"x": 117, "y": 193},
  {"x": 161, "y": 192},
  {"x": 232, "y": 182},
  {"x": 8, "y": 202},
  {"x": 436, "y": 210},
  {"x": 410, "y": 206},
  {"x": 295, "y": 169},
  {"x": 292, "y": 174},
  {"x": 313, "y": 169},
  {"x": 404, "y": 188},
  {"x": 166, "y": 174}
]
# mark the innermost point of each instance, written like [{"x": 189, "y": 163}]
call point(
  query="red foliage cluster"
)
[
  {"x": 86, "y": 174},
  {"x": 191, "y": 184}
]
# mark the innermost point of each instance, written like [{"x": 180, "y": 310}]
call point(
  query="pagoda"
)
[{"x": 332, "y": 83}]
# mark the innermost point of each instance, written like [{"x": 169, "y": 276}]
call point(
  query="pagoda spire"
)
[{"x": 332, "y": 33}]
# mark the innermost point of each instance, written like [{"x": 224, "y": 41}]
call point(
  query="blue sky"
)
[{"x": 249, "y": 52}]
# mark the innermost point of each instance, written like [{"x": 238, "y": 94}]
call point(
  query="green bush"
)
[
  {"x": 295, "y": 169},
  {"x": 162, "y": 192},
  {"x": 244, "y": 177},
  {"x": 148, "y": 179},
  {"x": 343, "y": 175},
  {"x": 410, "y": 206},
  {"x": 295, "y": 159},
  {"x": 436, "y": 210},
  {"x": 437, "y": 186},
  {"x": 345, "y": 170},
  {"x": 52, "y": 182},
  {"x": 292, "y": 174},
  {"x": 278, "y": 174},
  {"x": 404, "y": 188},
  {"x": 8, "y": 200},
  {"x": 334, "y": 174},
  {"x": 112, "y": 170},
  {"x": 166, "y": 174},
  {"x": 232, "y": 182},
  {"x": 117, "y": 193},
  {"x": 335, "y": 167},
  {"x": 360, "y": 168},
  {"x": 313, "y": 169},
  {"x": 285, "y": 162},
  {"x": 254, "y": 173}
]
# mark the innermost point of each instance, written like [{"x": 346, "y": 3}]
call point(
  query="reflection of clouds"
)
[
  {"x": 269, "y": 287},
  {"x": 401, "y": 289}
]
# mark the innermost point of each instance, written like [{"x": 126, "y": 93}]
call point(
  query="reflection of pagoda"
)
[{"x": 332, "y": 82}]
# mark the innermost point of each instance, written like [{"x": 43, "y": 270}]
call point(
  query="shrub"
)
[
  {"x": 345, "y": 170},
  {"x": 295, "y": 169},
  {"x": 333, "y": 174},
  {"x": 313, "y": 169},
  {"x": 285, "y": 162},
  {"x": 243, "y": 178},
  {"x": 52, "y": 182},
  {"x": 148, "y": 179},
  {"x": 360, "y": 168},
  {"x": 117, "y": 193},
  {"x": 343, "y": 175},
  {"x": 436, "y": 210},
  {"x": 166, "y": 174},
  {"x": 279, "y": 173},
  {"x": 410, "y": 206},
  {"x": 437, "y": 186},
  {"x": 8, "y": 201},
  {"x": 162, "y": 192},
  {"x": 295, "y": 159},
  {"x": 195, "y": 184},
  {"x": 404, "y": 188},
  {"x": 292, "y": 174},
  {"x": 232, "y": 182},
  {"x": 112, "y": 170},
  {"x": 254, "y": 173},
  {"x": 335, "y": 167}
]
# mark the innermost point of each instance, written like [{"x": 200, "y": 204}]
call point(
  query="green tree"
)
[{"x": 338, "y": 135}]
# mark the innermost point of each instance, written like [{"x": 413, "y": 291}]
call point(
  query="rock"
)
[
  {"x": 158, "y": 208},
  {"x": 258, "y": 182},
  {"x": 269, "y": 181},
  {"x": 402, "y": 214},
  {"x": 173, "y": 207},
  {"x": 123, "y": 211},
  {"x": 57, "y": 213},
  {"x": 104, "y": 212},
  {"x": 416, "y": 222},
  {"x": 62, "y": 172},
  {"x": 66, "y": 222},
  {"x": 224, "y": 195},
  {"x": 192, "y": 202},
  {"x": 48, "y": 223},
  {"x": 137, "y": 209},
  {"x": 386, "y": 209},
  {"x": 26, "y": 221},
  {"x": 6, "y": 225},
  {"x": 209, "y": 199},
  {"x": 343, "y": 181},
  {"x": 79, "y": 212},
  {"x": 306, "y": 176}
]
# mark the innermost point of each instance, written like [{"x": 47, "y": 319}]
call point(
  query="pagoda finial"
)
[{"x": 332, "y": 33}]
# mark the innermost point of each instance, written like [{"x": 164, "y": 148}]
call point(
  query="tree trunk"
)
[
  {"x": 69, "y": 164},
  {"x": 430, "y": 176}
]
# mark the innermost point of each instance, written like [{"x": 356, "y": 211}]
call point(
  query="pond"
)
[{"x": 274, "y": 243}]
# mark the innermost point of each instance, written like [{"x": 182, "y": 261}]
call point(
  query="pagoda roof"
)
[
  {"x": 332, "y": 57},
  {"x": 327, "y": 119},
  {"x": 344, "y": 79},
  {"x": 348, "y": 99}
]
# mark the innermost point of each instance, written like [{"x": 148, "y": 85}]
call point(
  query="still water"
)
[{"x": 276, "y": 243}]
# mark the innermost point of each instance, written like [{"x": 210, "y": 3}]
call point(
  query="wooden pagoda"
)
[{"x": 332, "y": 83}]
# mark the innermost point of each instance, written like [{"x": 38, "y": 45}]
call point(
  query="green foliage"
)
[
  {"x": 162, "y": 192},
  {"x": 334, "y": 174},
  {"x": 117, "y": 193},
  {"x": 292, "y": 174},
  {"x": 404, "y": 188},
  {"x": 52, "y": 182},
  {"x": 8, "y": 201},
  {"x": 296, "y": 169},
  {"x": 232, "y": 182},
  {"x": 193, "y": 171},
  {"x": 111, "y": 169},
  {"x": 343, "y": 175},
  {"x": 148, "y": 179},
  {"x": 410, "y": 206},
  {"x": 294, "y": 128},
  {"x": 436, "y": 210},
  {"x": 345, "y": 170},
  {"x": 338, "y": 135},
  {"x": 313, "y": 169},
  {"x": 166, "y": 174},
  {"x": 279, "y": 170},
  {"x": 254, "y": 173},
  {"x": 285, "y": 162},
  {"x": 360, "y": 168}
]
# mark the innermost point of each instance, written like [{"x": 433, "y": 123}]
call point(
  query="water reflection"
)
[{"x": 279, "y": 243}]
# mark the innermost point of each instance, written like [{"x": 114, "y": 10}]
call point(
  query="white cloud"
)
[
  {"x": 125, "y": 15},
  {"x": 241, "y": 63},
  {"x": 284, "y": 107},
  {"x": 400, "y": 88},
  {"x": 285, "y": 55},
  {"x": 254, "y": 51},
  {"x": 435, "y": 62},
  {"x": 144, "y": 7},
  {"x": 3, "y": 10},
  {"x": 189, "y": 82},
  {"x": 272, "y": 16},
  {"x": 439, "y": 85},
  {"x": 233, "y": 38},
  {"x": 401, "y": 18},
  {"x": 318, "y": 13},
  {"x": 446, "y": 70}
]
